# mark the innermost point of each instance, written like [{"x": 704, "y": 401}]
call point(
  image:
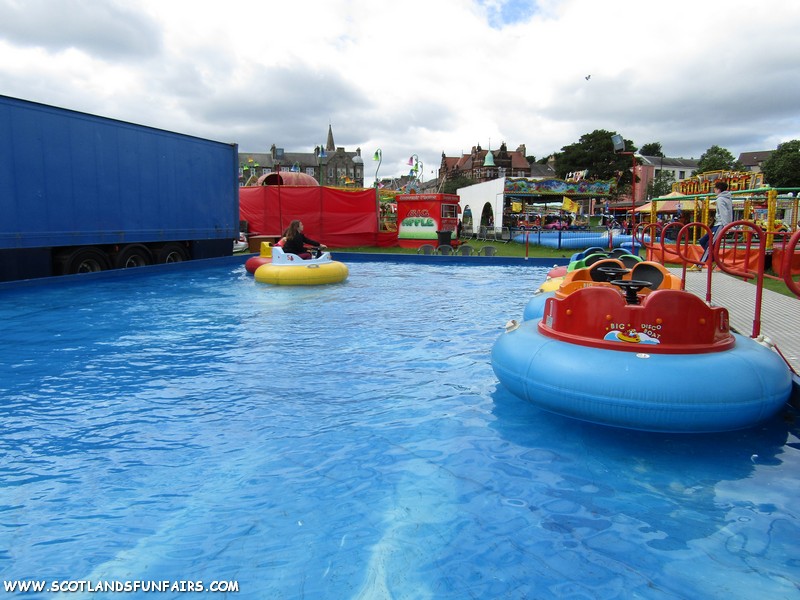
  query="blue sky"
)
[
  {"x": 418, "y": 77},
  {"x": 500, "y": 13}
]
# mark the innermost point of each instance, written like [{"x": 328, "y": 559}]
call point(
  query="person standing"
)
[
  {"x": 294, "y": 242},
  {"x": 723, "y": 216}
]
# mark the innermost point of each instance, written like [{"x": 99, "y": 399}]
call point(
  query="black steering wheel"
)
[
  {"x": 613, "y": 272},
  {"x": 631, "y": 287}
]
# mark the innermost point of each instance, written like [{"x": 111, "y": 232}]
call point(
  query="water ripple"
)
[{"x": 350, "y": 441}]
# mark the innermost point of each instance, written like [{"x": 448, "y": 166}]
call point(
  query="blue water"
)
[
  {"x": 351, "y": 442},
  {"x": 575, "y": 239}
]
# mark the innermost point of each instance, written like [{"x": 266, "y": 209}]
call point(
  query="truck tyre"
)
[
  {"x": 82, "y": 260},
  {"x": 171, "y": 253},
  {"x": 134, "y": 255}
]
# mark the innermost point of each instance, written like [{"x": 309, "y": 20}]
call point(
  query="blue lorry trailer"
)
[{"x": 81, "y": 193}]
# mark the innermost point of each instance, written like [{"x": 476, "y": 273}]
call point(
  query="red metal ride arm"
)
[{"x": 793, "y": 285}]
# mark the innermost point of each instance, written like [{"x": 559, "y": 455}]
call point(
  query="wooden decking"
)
[{"x": 780, "y": 314}]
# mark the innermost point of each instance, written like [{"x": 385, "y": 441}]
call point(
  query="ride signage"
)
[{"x": 703, "y": 183}]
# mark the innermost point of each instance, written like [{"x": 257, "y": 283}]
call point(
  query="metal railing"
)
[{"x": 739, "y": 249}]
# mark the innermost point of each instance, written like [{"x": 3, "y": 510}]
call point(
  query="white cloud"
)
[{"x": 418, "y": 77}]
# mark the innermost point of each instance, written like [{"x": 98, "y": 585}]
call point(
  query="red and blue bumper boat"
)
[{"x": 628, "y": 353}]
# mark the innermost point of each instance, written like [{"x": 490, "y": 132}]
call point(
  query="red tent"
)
[
  {"x": 287, "y": 178},
  {"x": 334, "y": 216}
]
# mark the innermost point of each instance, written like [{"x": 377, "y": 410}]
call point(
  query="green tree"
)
[
  {"x": 652, "y": 149},
  {"x": 717, "y": 158},
  {"x": 661, "y": 185},
  {"x": 595, "y": 151},
  {"x": 782, "y": 169},
  {"x": 452, "y": 184}
]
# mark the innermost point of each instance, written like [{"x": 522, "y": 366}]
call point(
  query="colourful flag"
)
[{"x": 569, "y": 206}]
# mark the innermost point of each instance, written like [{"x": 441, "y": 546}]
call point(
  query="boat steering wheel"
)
[
  {"x": 613, "y": 272},
  {"x": 631, "y": 287}
]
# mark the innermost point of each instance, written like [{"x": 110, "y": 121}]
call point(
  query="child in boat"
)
[{"x": 295, "y": 242}]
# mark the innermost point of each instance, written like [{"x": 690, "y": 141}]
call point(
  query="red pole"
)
[
  {"x": 619, "y": 147},
  {"x": 633, "y": 201},
  {"x": 633, "y": 198}
]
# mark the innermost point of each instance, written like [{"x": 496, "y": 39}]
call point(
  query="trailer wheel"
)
[
  {"x": 134, "y": 255},
  {"x": 171, "y": 253},
  {"x": 82, "y": 260}
]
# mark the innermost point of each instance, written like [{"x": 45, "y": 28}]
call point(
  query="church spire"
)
[{"x": 329, "y": 145}]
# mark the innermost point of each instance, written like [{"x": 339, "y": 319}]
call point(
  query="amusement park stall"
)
[
  {"x": 422, "y": 217},
  {"x": 692, "y": 200},
  {"x": 501, "y": 202}
]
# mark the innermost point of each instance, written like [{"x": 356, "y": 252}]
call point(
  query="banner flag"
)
[{"x": 569, "y": 205}]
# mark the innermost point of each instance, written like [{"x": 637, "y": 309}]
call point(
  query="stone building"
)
[
  {"x": 330, "y": 165},
  {"x": 479, "y": 166},
  {"x": 753, "y": 161}
]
